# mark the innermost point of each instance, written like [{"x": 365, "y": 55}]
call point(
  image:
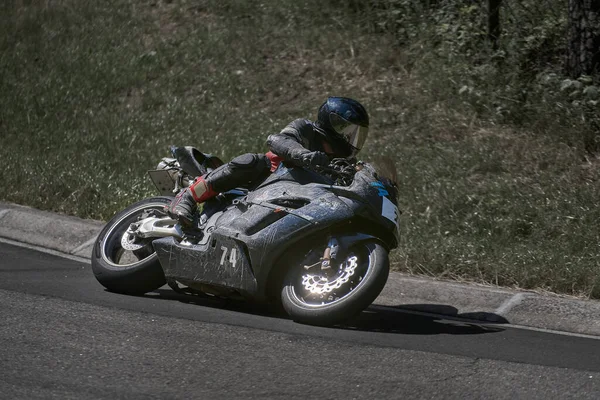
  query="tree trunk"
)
[
  {"x": 494, "y": 22},
  {"x": 583, "y": 54}
]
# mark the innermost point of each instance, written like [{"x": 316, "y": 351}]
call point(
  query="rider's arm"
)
[{"x": 293, "y": 141}]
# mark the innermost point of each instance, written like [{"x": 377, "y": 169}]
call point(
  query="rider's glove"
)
[{"x": 314, "y": 158}]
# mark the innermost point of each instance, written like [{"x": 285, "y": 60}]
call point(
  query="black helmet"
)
[{"x": 344, "y": 121}]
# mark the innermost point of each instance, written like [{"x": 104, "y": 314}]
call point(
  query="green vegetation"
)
[{"x": 496, "y": 152}]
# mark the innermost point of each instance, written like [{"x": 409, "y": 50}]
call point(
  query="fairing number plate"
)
[
  {"x": 164, "y": 180},
  {"x": 389, "y": 210}
]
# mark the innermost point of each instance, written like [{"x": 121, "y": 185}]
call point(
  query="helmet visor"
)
[{"x": 354, "y": 135}]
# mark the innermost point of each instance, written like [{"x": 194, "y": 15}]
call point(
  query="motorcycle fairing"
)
[
  {"x": 221, "y": 262},
  {"x": 380, "y": 206},
  {"x": 262, "y": 229}
]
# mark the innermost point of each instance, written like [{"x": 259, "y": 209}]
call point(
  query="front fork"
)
[
  {"x": 339, "y": 245},
  {"x": 329, "y": 254}
]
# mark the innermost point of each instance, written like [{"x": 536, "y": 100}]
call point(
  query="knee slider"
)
[
  {"x": 257, "y": 163},
  {"x": 245, "y": 161}
]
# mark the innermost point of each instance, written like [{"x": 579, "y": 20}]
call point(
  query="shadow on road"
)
[
  {"x": 218, "y": 303},
  {"x": 402, "y": 319}
]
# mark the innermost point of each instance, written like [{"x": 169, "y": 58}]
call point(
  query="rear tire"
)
[
  {"x": 326, "y": 299},
  {"x": 140, "y": 274}
]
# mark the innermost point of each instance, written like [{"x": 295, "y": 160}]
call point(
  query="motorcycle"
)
[{"x": 314, "y": 241}]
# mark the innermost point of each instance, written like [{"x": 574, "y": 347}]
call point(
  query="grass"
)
[{"x": 93, "y": 93}]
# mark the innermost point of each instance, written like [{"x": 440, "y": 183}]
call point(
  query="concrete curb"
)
[
  {"x": 65, "y": 234},
  {"x": 75, "y": 237},
  {"x": 492, "y": 304}
]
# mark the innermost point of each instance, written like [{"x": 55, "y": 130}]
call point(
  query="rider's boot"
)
[{"x": 184, "y": 205}]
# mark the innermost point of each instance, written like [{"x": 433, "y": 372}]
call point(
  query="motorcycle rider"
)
[{"x": 340, "y": 131}]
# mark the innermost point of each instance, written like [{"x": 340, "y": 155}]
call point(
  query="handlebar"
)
[{"x": 340, "y": 169}]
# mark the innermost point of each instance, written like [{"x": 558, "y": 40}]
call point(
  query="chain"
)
[{"x": 317, "y": 284}]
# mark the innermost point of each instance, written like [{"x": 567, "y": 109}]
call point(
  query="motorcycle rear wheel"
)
[
  {"x": 326, "y": 298},
  {"x": 129, "y": 272}
]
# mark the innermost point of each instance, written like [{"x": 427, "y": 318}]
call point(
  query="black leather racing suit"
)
[
  {"x": 300, "y": 143},
  {"x": 292, "y": 146}
]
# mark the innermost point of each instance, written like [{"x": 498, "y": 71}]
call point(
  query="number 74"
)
[{"x": 232, "y": 256}]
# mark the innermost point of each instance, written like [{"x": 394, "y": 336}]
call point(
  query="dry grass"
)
[{"x": 93, "y": 93}]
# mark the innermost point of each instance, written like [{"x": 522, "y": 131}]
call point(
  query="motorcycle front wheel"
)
[
  {"x": 315, "y": 296},
  {"x": 124, "y": 267}
]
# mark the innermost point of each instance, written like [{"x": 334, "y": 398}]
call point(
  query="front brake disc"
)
[{"x": 318, "y": 284}]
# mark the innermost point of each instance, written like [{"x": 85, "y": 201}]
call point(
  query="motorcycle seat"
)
[{"x": 193, "y": 161}]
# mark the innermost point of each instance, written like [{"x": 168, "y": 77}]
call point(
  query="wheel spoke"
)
[{"x": 120, "y": 247}]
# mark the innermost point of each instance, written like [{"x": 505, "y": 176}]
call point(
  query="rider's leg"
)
[{"x": 242, "y": 171}]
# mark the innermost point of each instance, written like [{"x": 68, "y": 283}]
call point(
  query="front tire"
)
[
  {"x": 325, "y": 298},
  {"x": 123, "y": 271}
]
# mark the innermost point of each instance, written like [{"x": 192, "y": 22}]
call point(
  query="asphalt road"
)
[{"x": 63, "y": 336}]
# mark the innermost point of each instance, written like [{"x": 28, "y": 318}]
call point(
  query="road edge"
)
[{"x": 73, "y": 238}]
